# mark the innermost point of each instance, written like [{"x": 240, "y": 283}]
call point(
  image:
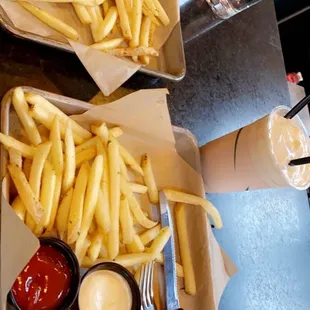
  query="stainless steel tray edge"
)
[{"x": 6, "y": 23}]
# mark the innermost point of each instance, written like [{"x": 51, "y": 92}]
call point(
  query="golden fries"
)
[
  {"x": 133, "y": 51},
  {"x": 124, "y": 19},
  {"x": 150, "y": 234},
  {"x": 95, "y": 247},
  {"x": 108, "y": 23},
  {"x": 128, "y": 260},
  {"x": 160, "y": 241},
  {"x": 145, "y": 37},
  {"x": 56, "y": 150},
  {"x": 136, "y": 22},
  {"x": 69, "y": 169},
  {"x": 26, "y": 194},
  {"x": 76, "y": 209},
  {"x": 15, "y": 157},
  {"x": 137, "y": 188},
  {"x": 162, "y": 15},
  {"x": 185, "y": 253},
  {"x": 178, "y": 196},
  {"x": 85, "y": 155},
  {"x": 91, "y": 198},
  {"x": 107, "y": 44},
  {"x": 63, "y": 214},
  {"x": 46, "y": 196},
  {"x": 114, "y": 172},
  {"x": 149, "y": 179},
  {"x": 51, "y": 21},
  {"x": 21, "y": 108},
  {"x": 26, "y": 151},
  {"x": 126, "y": 222},
  {"x": 102, "y": 213},
  {"x": 82, "y": 13},
  {"x": 19, "y": 208},
  {"x": 136, "y": 246}
]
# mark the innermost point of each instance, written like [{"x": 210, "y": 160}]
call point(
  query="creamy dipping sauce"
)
[
  {"x": 288, "y": 142},
  {"x": 105, "y": 290}
]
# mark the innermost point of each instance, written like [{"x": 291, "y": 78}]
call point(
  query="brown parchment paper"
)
[
  {"x": 108, "y": 71},
  {"x": 145, "y": 120}
]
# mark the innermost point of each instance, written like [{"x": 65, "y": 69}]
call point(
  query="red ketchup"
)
[{"x": 44, "y": 282}]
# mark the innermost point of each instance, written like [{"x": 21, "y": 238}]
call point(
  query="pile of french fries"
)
[
  {"x": 68, "y": 182},
  {"x": 123, "y": 28}
]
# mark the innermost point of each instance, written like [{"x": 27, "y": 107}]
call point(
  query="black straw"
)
[
  {"x": 299, "y": 161},
  {"x": 298, "y": 107}
]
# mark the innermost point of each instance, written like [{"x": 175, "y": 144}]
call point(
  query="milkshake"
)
[{"x": 257, "y": 156}]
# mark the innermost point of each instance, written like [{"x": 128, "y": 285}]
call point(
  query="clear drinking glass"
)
[{"x": 199, "y": 16}]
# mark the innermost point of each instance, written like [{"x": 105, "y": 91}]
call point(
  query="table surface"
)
[{"x": 235, "y": 74}]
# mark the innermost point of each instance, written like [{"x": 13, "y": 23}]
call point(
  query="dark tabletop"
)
[{"x": 235, "y": 74}]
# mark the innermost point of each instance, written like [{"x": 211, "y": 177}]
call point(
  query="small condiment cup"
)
[
  {"x": 73, "y": 264},
  {"x": 135, "y": 291}
]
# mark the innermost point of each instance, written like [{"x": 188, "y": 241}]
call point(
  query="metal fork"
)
[{"x": 146, "y": 286}]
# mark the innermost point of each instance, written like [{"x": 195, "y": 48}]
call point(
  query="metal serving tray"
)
[
  {"x": 170, "y": 63},
  {"x": 186, "y": 143}
]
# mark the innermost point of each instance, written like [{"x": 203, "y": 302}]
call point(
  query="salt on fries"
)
[
  {"x": 77, "y": 185},
  {"x": 122, "y": 28}
]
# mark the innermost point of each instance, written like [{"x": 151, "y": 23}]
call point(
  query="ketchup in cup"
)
[{"x": 45, "y": 282}]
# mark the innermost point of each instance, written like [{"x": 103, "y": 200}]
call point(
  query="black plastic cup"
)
[
  {"x": 135, "y": 291},
  {"x": 73, "y": 264}
]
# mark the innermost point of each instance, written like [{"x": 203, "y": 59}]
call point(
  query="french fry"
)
[
  {"x": 160, "y": 241},
  {"x": 82, "y": 13},
  {"x": 136, "y": 246},
  {"x": 85, "y": 155},
  {"x": 63, "y": 214},
  {"x": 34, "y": 99},
  {"x": 124, "y": 19},
  {"x": 32, "y": 205},
  {"x": 128, "y": 5},
  {"x": 107, "y": 44},
  {"x": 94, "y": 249},
  {"x": 102, "y": 131},
  {"x": 145, "y": 36},
  {"x": 152, "y": 34},
  {"x": 105, "y": 6},
  {"x": 21, "y": 108},
  {"x": 130, "y": 161},
  {"x": 185, "y": 253},
  {"x": 84, "y": 250},
  {"x": 46, "y": 118},
  {"x": 136, "y": 23},
  {"x": 19, "y": 208},
  {"x": 149, "y": 179},
  {"x": 82, "y": 2},
  {"x": 37, "y": 166},
  {"x": 27, "y": 167},
  {"x": 95, "y": 22},
  {"x": 116, "y": 132},
  {"x": 102, "y": 213},
  {"x": 98, "y": 13},
  {"x": 147, "y": 12},
  {"x": 26, "y": 150},
  {"x": 150, "y": 234},
  {"x": 162, "y": 15},
  {"x": 138, "y": 274},
  {"x": 56, "y": 150},
  {"x": 46, "y": 196},
  {"x": 137, "y": 188},
  {"x": 151, "y": 6},
  {"x": 129, "y": 260},
  {"x": 179, "y": 268},
  {"x": 135, "y": 207},
  {"x": 103, "y": 250},
  {"x": 51, "y": 21},
  {"x": 179, "y": 196},
  {"x": 124, "y": 171},
  {"x": 56, "y": 199},
  {"x": 126, "y": 222},
  {"x": 92, "y": 228},
  {"x": 88, "y": 263},
  {"x": 15, "y": 157},
  {"x": 85, "y": 145},
  {"x": 44, "y": 132},
  {"x": 106, "y": 26},
  {"x": 69, "y": 168},
  {"x": 114, "y": 195},
  {"x": 91, "y": 198},
  {"x": 76, "y": 209},
  {"x": 133, "y": 51}
]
